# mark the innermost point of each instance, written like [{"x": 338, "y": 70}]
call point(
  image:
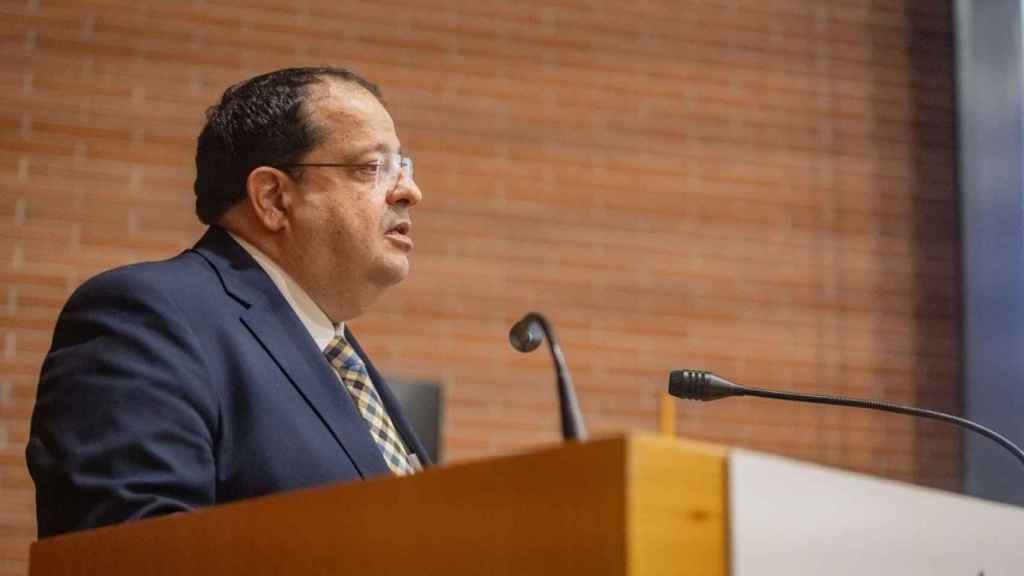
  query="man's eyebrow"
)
[{"x": 380, "y": 147}]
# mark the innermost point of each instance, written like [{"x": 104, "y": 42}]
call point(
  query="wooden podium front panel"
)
[{"x": 559, "y": 511}]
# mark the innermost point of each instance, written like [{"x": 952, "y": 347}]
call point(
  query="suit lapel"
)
[{"x": 274, "y": 324}]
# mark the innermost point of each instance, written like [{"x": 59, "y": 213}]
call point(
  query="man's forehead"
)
[
  {"x": 352, "y": 113},
  {"x": 339, "y": 100}
]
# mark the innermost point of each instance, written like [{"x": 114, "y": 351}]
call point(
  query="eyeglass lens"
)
[{"x": 394, "y": 167}]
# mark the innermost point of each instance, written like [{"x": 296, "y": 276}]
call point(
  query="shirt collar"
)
[{"x": 312, "y": 317}]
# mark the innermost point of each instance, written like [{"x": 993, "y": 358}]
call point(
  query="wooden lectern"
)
[
  {"x": 619, "y": 506},
  {"x": 638, "y": 506}
]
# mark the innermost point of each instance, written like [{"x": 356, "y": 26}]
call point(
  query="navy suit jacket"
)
[{"x": 189, "y": 382}]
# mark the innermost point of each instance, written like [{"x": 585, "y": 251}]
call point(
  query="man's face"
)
[{"x": 349, "y": 239}]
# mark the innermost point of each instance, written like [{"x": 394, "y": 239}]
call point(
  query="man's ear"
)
[{"x": 269, "y": 192}]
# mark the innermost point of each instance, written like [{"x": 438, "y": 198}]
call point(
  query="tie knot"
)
[{"x": 342, "y": 356}]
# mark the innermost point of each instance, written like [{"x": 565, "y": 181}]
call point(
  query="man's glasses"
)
[{"x": 385, "y": 172}]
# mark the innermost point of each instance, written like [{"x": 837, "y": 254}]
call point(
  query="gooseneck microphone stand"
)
[
  {"x": 705, "y": 386},
  {"x": 525, "y": 336}
]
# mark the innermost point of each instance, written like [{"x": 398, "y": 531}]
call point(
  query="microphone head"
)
[
  {"x": 526, "y": 335},
  {"x": 701, "y": 385},
  {"x": 687, "y": 384}
]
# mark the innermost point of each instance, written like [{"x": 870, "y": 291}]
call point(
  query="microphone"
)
[
  {"x": 705, "y": 386},
  {"x": 525, "y": 336}
]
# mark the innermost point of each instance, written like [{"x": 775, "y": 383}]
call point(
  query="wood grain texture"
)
[{"x": 678, "y": 508}]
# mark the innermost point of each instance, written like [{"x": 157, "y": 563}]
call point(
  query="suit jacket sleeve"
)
[{"x": 125, "y": 419}]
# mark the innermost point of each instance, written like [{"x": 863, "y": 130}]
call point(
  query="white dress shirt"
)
[{"x": 313, "y": 318}]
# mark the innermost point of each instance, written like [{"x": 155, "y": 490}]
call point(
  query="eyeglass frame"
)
[{"x": 405, "y": 166}]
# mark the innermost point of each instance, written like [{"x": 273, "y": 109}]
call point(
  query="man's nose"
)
[{"x": 406, "y": 192}]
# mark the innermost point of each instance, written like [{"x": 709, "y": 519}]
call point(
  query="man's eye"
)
[{"x": 369, "y": 169}]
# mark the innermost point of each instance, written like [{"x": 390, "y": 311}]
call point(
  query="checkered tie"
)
[{"x": 352, "y": 371}]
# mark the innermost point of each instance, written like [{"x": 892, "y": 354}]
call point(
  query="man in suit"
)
[{"x": 227, "y": 372}]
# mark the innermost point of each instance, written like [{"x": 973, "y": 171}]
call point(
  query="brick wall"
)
[{"x": 765, "y": 189}]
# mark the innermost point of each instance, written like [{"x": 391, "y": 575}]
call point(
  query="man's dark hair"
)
[{"x": 263, "y": 121}]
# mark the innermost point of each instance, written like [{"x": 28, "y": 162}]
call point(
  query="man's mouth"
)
[
  {"x": 399, "y": 234},
  {"x": 402, "y": 228}
]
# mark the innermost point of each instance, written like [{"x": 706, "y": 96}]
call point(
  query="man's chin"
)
[{"x": 393, "y": 272}]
